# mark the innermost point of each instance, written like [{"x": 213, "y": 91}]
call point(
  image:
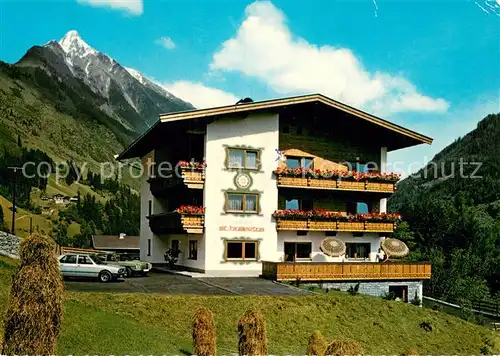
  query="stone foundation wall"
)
[
  {"x": 377, "y": 288},
  {"x": 9, "y": 244}
]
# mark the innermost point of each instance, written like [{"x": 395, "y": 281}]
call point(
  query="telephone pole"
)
[{"x": 15, "y": 170}]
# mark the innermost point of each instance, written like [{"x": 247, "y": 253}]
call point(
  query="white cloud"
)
[
  {"x": 134, "y": 7},
  {"x": 264, "y": 47},
  {"x": 200, "y": 95},
  {"x": 166, "y": 42}
]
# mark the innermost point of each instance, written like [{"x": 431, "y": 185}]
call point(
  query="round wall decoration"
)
[{"x": 243, "y": 180}]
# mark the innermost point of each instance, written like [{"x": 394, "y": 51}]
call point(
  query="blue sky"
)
[{"x": 431, "y": 66}]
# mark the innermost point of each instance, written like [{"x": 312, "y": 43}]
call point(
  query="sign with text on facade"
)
[{"x": 241, "y": 228}]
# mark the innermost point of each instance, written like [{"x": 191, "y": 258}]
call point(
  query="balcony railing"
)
[
  {"x": 336, "y": 180},
  {"x": 191, "y": 174},
  {"x": 321, "y": 225},
  {"x": 331, "y": 184},
  {"x": 347, "y": 271},
  {"x": 175, "y": 222},
  {"x": 317, "y": 220}
]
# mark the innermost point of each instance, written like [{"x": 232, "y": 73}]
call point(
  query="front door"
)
[
  {"x": 400, "y": 292},
  {"x": 289, "y": 251}
]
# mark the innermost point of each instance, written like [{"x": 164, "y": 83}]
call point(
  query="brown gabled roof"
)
[
  {"x": 114, "y": 242},
  {"x": 413, "y": 136}
]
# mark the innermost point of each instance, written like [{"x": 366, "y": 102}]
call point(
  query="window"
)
[
  {"x": 299, "y": 162},
  {"x": 297, "y": 251},
  {"x": 358, "y": 208},
  {"x": 71, "y": 259},
  {"x": 298, "y": 204},
  {"x": 239, "y": 158},
  {"x": 193, "y": 250},
  {"x": 84, "y": 260},
  {"x": 150, "y": 207},
  {"x": 175, "y": 245},
  {"x": 357, "y": 250},
  {"x": 363, "y": 167},
  {"x": 238, "y": 202},
  {"x": 242, "y": 250},
  {"x": 362, "y": 208},
  {"x": 149, "y": 247}
]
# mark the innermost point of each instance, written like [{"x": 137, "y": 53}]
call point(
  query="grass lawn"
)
[
  {"x": 61, "y": 187},
  {"x": 100, "y": 323},
  {"x": 22, "y": 219}
]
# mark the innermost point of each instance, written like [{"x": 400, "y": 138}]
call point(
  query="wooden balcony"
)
[
  {"x": 346, "y": 271},
  {"x": 325, "y": 225},
  {"x": 191, "y": 178},
  {"x": 335, "y": 184},
  {"x": 169, "y": 223}
]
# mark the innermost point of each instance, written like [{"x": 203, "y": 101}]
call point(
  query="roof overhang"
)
[{"x": 138, "y": 147}]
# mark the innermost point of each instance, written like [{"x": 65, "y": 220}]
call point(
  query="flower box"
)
[
  {"x": 348, "y": 185},
  {"x": 351, "y": 226},
  {"x": 293, "y": 181},
  {"x": 319, "y": 225}
]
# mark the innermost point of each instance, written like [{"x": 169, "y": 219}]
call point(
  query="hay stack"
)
[
  {"x": 316, "y": 345},
  {"x": 34, "y": 313},
  {"x": 344, "y": 347},
  {"x": 204, "y": 338},
  {"x": 252, "y": 334},
  {"x": 410, "y": 352}
]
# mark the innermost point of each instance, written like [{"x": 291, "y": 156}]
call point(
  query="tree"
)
[
  {"x": 1, "y": 219},
  {"x": 60, "y": 233}
]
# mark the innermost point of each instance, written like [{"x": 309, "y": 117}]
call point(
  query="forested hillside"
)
[
  {"x": 452, "y": 207},
  {"x": 72, "y": 108}
]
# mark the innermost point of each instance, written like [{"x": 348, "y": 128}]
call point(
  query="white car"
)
[{"x": 89, "y": 266}]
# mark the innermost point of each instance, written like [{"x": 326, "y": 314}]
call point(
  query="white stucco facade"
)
[
  {"x": 259, "y": 132},
  {"x": 315, "y": 237}
]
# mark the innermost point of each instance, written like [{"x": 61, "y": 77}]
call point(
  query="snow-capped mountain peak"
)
[
  {"x": 136, "y": 74},
  {"x": 73, "y": 44},
  {"x": 128, "y": 96}
]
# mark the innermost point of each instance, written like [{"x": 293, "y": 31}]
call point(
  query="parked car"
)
[
  {"x": 89, "y": 266},
  {"x": 132, "y": 265}
]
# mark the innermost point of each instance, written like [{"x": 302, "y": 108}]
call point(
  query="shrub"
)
[
  {"x": 354, "y": 290},
  {"x": 344, "y": 347},
  {"x": 34, "y": 313},
  {"x": 416, "y": 300},
  {"x": 316, "y": 345},
  {"x": 410, "y": 352},
  {"x": 204, "y": 335},
  {"x": 388, "y": 296},
  {"x": 252, "y": 334}
]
